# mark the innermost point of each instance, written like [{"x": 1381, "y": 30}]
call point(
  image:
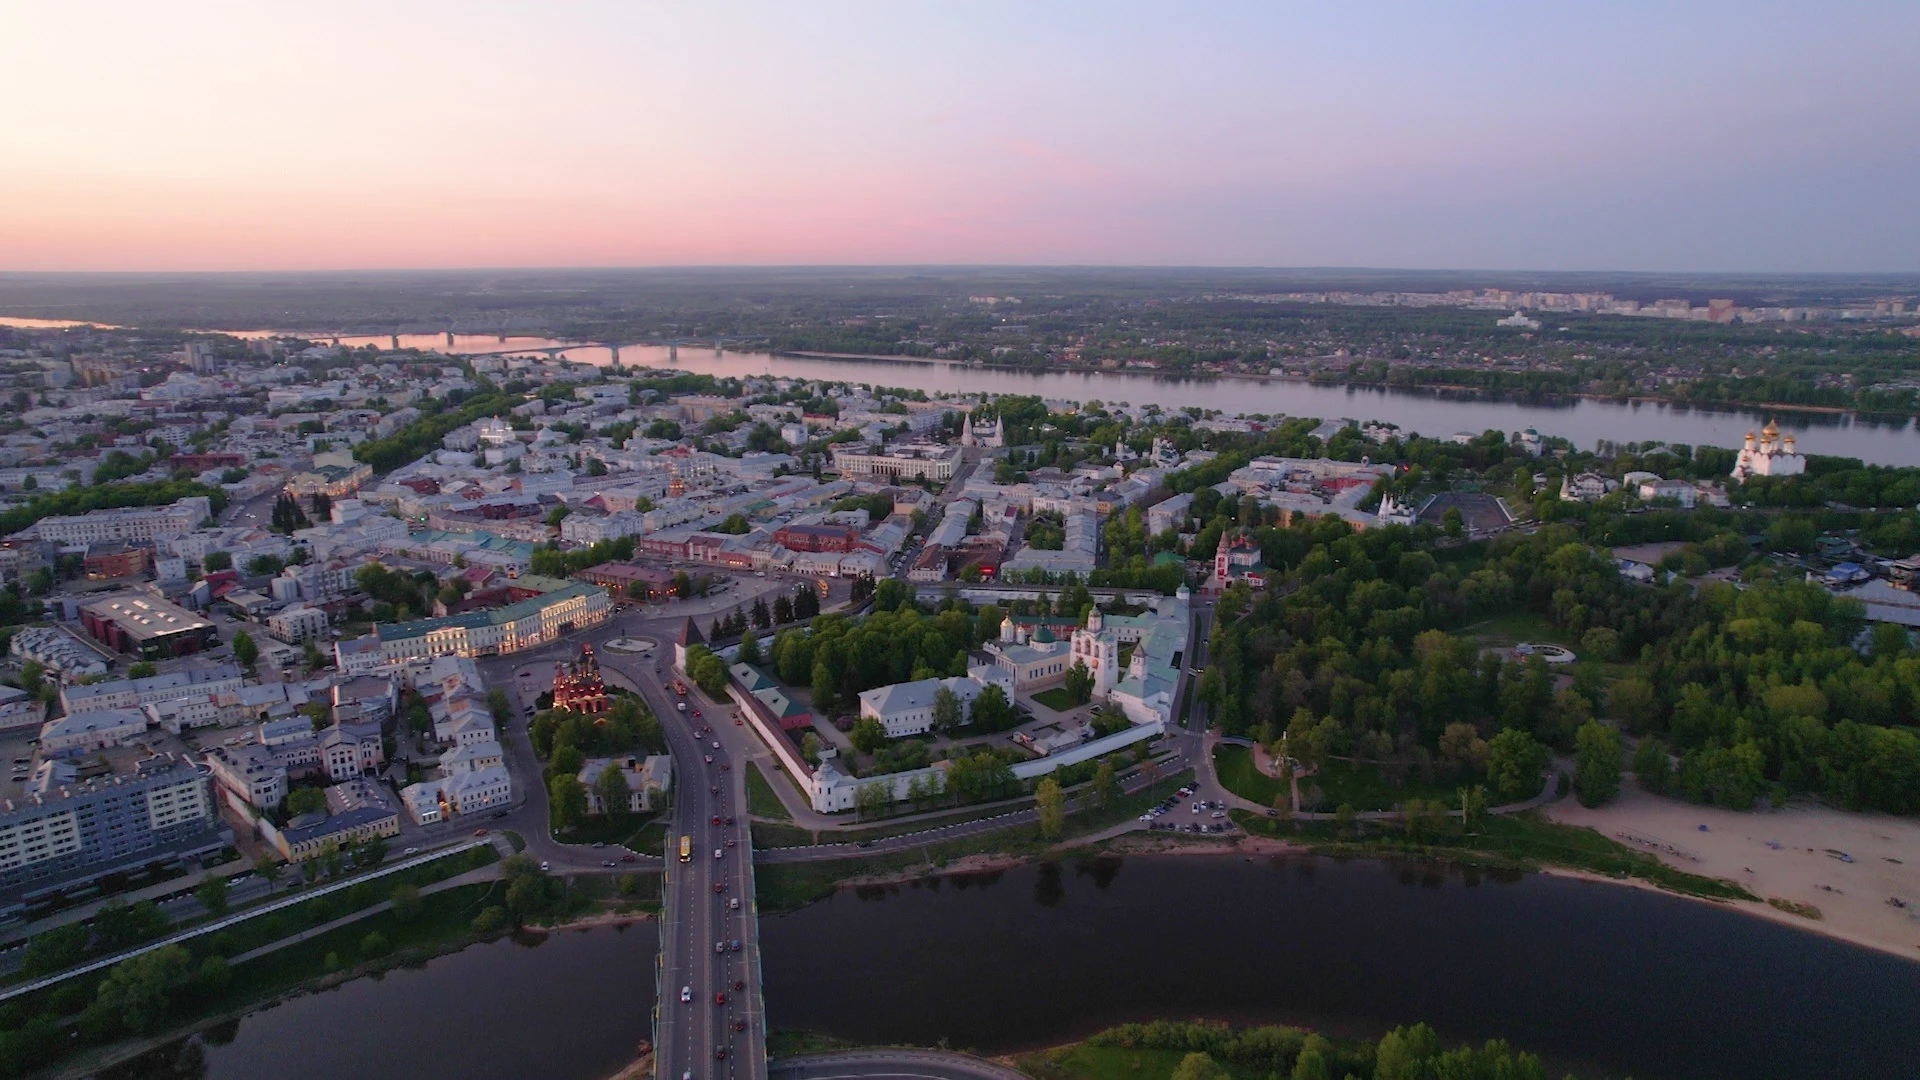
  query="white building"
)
[
  {"x": 1028, "y": 660},
  {"x": 250, "y": 773},
  {"x": 907, "y": 708},
  {"x": 1167, "y": 514},
  {"x": 82, "y": 733},
  {"x": 298, "y": 624},
  {"x": 472, "y": 756},
  {"x": 906, "y": 461},
  {"x": 152, "y": 690},
  {"x": 130, "y": 523},
  {"x": 648, "y": 780},
  {"x": 462, "y": 794},
  {"x": 1586, "y": 487}
]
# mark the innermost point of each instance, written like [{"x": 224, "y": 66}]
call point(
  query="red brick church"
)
[{"x": 577, "y": 687}]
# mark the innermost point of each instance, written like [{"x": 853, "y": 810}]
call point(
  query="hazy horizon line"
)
[{"x": 966, "y": 266}]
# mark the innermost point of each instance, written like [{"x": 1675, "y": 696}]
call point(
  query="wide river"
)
[
  {"x": 1594, "y": 977},
  {"x": 1878, "y": 441}
]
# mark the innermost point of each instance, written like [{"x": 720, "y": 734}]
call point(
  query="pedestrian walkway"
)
[{"x": 490, "y": 872}]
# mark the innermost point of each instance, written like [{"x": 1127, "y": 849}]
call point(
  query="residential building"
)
[
  {"x": 648, "y": 780},
  {"x": 837, "y": 538},
  {"x": 152, "y": 690},
  {"x": 1586, "y": 487},
  {"x": 65, "y": 833},
  {"x": 250, "y": 774},
  {"x": 535, "y": 621},
  {"x": 313, "y": 836},
  {"x": 19, "y": 709},
  {"x": 107, "y": 559},
  {"x": 907, "y": 708},
  {"x": 1167, "y": 514},
  {"x": 462, "y": 794},
  {"x": 333, "y": 475},
  {"x": 140, "y": 523},
  {"x": 78, "y": 734},
  {"x": 297, "y": 624}
]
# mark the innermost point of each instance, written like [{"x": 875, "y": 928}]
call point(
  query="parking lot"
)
[{"x": 1179, "y": 812}]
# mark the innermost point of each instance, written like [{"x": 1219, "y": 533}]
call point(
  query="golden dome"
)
[{"x": 1770, "y": 430}]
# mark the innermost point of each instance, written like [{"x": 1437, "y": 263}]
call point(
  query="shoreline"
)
[
  {"x": 1758, "y": 908},
  {"x": 84, "y": 1065},
  {"x": 1248, "y": 847},
  {"x": 1552, "y": 399}
]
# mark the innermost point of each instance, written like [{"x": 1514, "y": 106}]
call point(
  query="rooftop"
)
[{"x": 143, "y": 616}]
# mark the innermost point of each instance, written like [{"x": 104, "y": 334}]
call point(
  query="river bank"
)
[
  {"x": 1444, "y": 391},
  {"x": 1789, "y": 858},
  {"x": 310, "y": 966}
]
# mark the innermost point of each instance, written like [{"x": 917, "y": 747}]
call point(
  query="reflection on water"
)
[
  {"x": 1592, "y": 976},
  {"x": 1041, "y": 954},
  {"x": 573, "y": 1005}
]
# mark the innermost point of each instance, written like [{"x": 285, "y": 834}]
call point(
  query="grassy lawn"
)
[
  {"x": 772, "y": 834},
  {"x": 1515, "y": 841},
  {"x": 1238, "y": 775},
  {"x": 762, "y": 802},
  {"x": 1363, "y": 788},
  {"x": 1516, "y": 627},
  {"x": 1056, "y": 699},
  {"x": 630, "y": 830}
]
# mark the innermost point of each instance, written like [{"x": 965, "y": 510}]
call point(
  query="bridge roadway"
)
[{"x": 711, "y": 1019}]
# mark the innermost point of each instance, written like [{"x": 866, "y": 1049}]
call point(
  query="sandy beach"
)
[{"x": 1851, "y": 897}]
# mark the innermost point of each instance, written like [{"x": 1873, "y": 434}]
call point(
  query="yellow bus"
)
[{"x": 686, "y": 849}]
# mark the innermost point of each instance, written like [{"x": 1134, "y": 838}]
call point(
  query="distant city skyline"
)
[{"x": 1710, "y": 137}]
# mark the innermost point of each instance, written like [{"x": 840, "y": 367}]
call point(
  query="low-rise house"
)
[
  {"x": 364, "y": 813},
  {"x": 82, "y": 733},
  {"x": 19, "y": 709},
  {"x": 128, "y": 693},
  {"x": 462, "y": 794},
  {"x": 1586, "y": 487},
  {"x": 648, "y": 780},
  {"x": 471, "y": 757},
  {"x": 249, "y": 774},
  {"x": 907, "y": 708}
]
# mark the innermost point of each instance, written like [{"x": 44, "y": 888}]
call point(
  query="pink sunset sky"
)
[{"x": 1710, "y": 136}]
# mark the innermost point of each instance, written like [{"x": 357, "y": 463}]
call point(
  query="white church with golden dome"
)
[{"x": 1770, "y": 455}]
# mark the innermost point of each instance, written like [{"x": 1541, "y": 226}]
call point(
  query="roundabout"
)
[{"x": 629, "y": 645}]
